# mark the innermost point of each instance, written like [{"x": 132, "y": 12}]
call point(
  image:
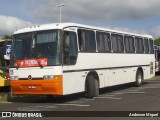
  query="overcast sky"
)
[{"x": 140, "y": 16}]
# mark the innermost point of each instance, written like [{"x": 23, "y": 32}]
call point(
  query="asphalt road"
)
[{"x": 118, "y": 98}]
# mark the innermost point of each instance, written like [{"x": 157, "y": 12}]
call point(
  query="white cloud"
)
[
  {"x": 9, "y": 24},
  {"x": 97, "y": 11},
  {"x": 103, "y": 10},
  {"x": 156, "y": 31}
]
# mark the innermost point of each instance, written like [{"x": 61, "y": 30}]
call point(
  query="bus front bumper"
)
[{"x": 43, "y": 87}]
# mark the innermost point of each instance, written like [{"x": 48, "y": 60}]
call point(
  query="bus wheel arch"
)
[
  {"x": 139, "y": 77},
  {"x": 92, "y": 85}
]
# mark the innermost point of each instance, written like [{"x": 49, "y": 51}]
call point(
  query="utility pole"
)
[{"x": 60, "y": 10}]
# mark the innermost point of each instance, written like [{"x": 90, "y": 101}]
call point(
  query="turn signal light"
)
[
  {"x": 14, "y": 78},
  {"x": 49, "y": 77}
]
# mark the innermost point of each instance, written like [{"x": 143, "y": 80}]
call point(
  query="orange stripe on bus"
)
[{"x": 47, "y": 87}]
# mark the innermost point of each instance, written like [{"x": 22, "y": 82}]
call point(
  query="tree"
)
[
  {"x": 7, "y": 36},
  {"x": 157, "y": 41}
]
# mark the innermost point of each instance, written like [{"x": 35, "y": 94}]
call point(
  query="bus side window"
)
[
  {"x": 117, "y": 43},
  {"x": 81, "y": 36},
  {"x": 139, "y": 45},
  {"x": 129, "y": 44},
  {"x": 70, "y": 48},
  {"x": 87, "y": 42},
  {"x": 103, "y": 42},
  {"x": 151, "y": 49},
  {"x": 146, "y": 46}
]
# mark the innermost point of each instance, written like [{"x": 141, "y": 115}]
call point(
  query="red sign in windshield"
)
[{"x": 31, "y": 62}]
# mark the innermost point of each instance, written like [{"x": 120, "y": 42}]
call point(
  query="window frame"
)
[
  {"x": 138, "y": 49},
  {"x": 129, "y": 40},
  {"x": 80, "y": 40},
  {"x": 146, "y": 52},
  {"x": 151, "y": 50},
  {"x": 122, "y": 43},
  {"x": 104, "y": 41},
  {"x": 64, "y": 47}
]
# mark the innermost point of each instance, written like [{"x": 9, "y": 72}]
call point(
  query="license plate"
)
[{"x": 32, "y": 87}]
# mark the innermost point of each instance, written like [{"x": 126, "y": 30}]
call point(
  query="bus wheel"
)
[
  {"x": 91, "y": 87},
  {"x": 139, "y": 78}
]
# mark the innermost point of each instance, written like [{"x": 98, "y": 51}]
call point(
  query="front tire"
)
[
  {"x": 91, "y": 87},
  {"x": 139, "y": 78}
]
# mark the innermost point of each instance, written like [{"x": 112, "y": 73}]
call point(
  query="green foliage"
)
[
  {"x": 157, "y": 41},
  {"x": 7, "y": 37}
]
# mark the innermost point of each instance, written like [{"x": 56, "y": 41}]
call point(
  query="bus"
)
[
  {"x": 67, "y": 58},
  {"x": 156, "y": 52},
  {"x": 5, "y": 50},
  {"x": 157, "y": 57}
]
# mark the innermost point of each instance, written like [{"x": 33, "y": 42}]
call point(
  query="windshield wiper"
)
[
  {"x": 19, "y": 63},
  {"x": 41, "y": 66}
]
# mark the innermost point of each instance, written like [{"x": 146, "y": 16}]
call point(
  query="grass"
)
[{"x": 3, "y": 98}]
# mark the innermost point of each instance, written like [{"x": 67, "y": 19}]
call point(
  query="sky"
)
[{"x": 137, "y": 16}]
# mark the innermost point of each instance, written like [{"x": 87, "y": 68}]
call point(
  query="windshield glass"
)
[{"x": 35, "y": 49}]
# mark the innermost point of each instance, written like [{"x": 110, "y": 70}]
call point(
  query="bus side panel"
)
[
  {"x": 73, "y": 82},
  {"x": 112, "y": 69}
]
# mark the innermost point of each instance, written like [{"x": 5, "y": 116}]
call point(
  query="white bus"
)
[{"x": 67, "y": 58}]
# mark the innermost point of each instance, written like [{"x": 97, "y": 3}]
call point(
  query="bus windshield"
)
[{"x": 36, "y": 49}]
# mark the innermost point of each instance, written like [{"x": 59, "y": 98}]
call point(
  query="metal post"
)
[{"x": 60, "y": 10}]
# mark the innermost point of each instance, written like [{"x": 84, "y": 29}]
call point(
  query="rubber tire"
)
[
  {"x": 139, "y": 78},
  {"x": 91, "y": 87}
]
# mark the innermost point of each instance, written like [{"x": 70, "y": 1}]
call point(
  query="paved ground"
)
[{"x": 118, "y": 98}]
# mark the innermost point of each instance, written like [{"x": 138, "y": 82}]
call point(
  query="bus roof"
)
[{"x": 64, "y": 25}]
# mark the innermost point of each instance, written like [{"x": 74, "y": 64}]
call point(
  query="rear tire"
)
[
  {"x": 91, "y": 87},
  {"x": 139, "y": 78}
]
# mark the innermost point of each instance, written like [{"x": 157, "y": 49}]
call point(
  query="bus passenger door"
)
[
  {"x": 70, "y": 53},
  {"x": 70, "y": 48}
]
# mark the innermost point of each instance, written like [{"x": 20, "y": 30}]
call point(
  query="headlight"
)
[
  {"x": 14, "y": 78},
  {"x": 49, "y": 77}
]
